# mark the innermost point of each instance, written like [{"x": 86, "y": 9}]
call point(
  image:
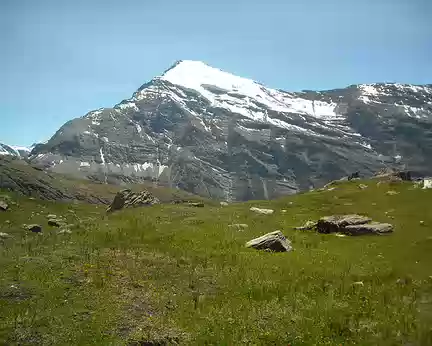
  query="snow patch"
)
[
  {"x": 102, "y": 155},
  {"x": 127, "y": 105},
  {"x": 221, "y": 89}
]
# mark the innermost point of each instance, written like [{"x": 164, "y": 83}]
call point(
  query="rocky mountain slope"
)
[
  {"x": 14, "y": 151},
  {"x": 215, "y": 134}
]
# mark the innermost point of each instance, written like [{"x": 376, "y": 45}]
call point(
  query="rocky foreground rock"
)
[
  {"x": 274, "y": 241},
  {"x": 129, "y": 199},
  {"x": 351, "y": 224}
]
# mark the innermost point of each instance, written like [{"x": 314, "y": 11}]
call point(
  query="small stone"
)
[
  {"x": 362, "y": 186},
  {"x": 340, "y": 235},
  {"x": 422, "y": 222},
  {"x": 52, "y": 216},
  {"x": 3, "y": 206},
  {"x": 196, "y": 204},
  {"x": 4, "y": 235},
  {"x": 307, "y": 226},
  {"x": 65, "y": 231},
  {"x": 239, "y": 226},
  {"x": 7, "y": 222},
  {"x": 358, "y": 283},
  {"x": 224, "y": 204},
  {"x": 392, "y": 193},
  {"x": 262, "y": 211},
  {"x": 283, "y": 211}
]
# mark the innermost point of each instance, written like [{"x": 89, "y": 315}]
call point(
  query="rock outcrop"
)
[{"x": 129, "y": 199}]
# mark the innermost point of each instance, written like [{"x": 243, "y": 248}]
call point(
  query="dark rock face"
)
[
  {"x": 217, "y": 135},
  {"x": 129, "y": 199},
  {"x": 352, "y": 225}
]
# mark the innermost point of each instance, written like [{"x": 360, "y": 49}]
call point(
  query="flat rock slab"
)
[
  {"x": 262, "y": 210},
  {"x": 336, "y": 223},
  {"x": 274, "y": 241},
  {"x": 369, "y": 228}
]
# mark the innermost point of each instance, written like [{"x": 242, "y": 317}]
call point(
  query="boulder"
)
[
  {"x": 368, "y": 228},
  {"x": 274, "y": 241},
  {"x": 393, "y": 174},
  {"x": 427, "y": 183},
  {"x": 54, "y": 223},
  {"x": 129, "y": 199},
  {"x": 33, "y": 228},
  {"x": 352, "y": 225},
  {"x": 307, "y": 226},
  {"x": 3, "y": 206},
  {"x": 355, "y": 175},
  {"x": 262, "y": 211},
  {"x": 336, "y": 223}
]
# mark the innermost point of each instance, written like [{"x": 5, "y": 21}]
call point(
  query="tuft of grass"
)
[{"x": 171, "y": 274}]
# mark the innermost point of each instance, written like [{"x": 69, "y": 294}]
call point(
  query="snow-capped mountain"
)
[
  {"x": 15, "y": 151},
  {"x": 216, "y": 134}
]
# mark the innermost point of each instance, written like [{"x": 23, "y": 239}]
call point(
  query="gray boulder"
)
[
  {"x": 336, "y": 223},
  {"x": 33, "y": 228},
  {"x": 352, "y": 225},
  {"x": 274, "y": 241},
  {"x": 128, "y": 199},
  {"x": 369, "y": 228}
]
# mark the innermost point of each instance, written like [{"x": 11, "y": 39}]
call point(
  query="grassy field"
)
[{"x": 172, "y": 274}]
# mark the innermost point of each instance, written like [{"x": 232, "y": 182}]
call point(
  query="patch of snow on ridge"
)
[
  {"x": 221, "y": 88},
  {"x": 127, "y": 105},
  {"x": 102, "y": 155},
  {"x": 16, "y": 147}
]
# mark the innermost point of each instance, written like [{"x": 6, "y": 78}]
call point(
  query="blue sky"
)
[{"x": 60, "y": 59}]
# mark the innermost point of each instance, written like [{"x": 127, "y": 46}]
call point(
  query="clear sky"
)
[{"x": 60, "y": 59}]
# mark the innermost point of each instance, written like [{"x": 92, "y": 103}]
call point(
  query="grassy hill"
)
[
  {"x": 32, "y": 180},
  {"x": 172, "y": 274}
]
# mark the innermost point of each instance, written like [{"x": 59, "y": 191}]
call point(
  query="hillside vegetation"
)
[{"x": 172, "y": 274}]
